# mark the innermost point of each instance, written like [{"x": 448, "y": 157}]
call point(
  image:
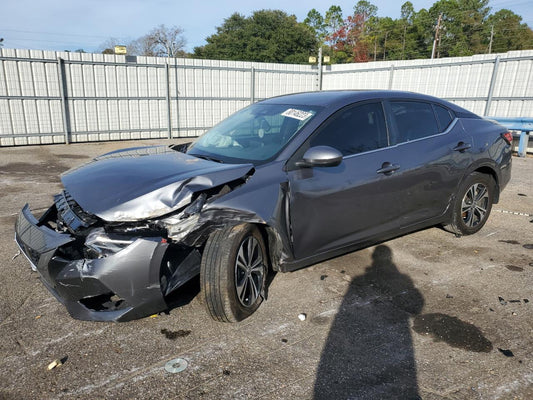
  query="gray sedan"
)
[{"x": 280, "y": 185}]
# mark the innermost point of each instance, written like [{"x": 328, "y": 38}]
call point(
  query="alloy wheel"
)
[{"x": 249, "y": 271}]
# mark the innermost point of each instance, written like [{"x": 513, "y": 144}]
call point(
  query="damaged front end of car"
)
[{"x": 118, "y": 269}]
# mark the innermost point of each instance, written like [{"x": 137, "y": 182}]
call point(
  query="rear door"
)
[{"x": 432, "y": 151}]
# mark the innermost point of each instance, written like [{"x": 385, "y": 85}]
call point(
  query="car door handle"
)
[
  {"x": 387, "y": 168},
  {"x": 461, "y": 146}
]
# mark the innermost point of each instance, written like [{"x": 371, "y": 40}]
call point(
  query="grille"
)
[{"x": 70, "y": 214}]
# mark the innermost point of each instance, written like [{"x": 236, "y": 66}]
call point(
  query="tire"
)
[
  {"x": 472, "y": 205},
  {"x": 233, "y": 272}
]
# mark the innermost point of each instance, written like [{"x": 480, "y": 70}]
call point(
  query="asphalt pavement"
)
[{"x": 427, "y": 315}]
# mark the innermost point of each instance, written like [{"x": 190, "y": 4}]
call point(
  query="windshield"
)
[{"x": 254, "y": 134}]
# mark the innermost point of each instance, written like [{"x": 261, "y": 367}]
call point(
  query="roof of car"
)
[{"x": 339, "y": 98}]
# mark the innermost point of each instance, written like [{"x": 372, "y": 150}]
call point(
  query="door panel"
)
[{"x": 332, "y": 207}]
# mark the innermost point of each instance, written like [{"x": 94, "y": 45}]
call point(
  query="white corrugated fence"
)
[{"x": 58, "y": 97}]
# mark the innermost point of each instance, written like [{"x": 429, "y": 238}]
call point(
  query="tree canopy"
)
[
  {"x": 267, "y": 35},
  {"x": 467, "y": 27}
]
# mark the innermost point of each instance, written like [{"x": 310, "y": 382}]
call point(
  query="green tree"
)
[
  {"x": 267, "y": 36},
  {"x": 332, "y": 22},
  {"x": 365, "y": 9},
  {"x": 509, "y": 33},
  {"x": 315, "y": 21},
  {"x": 462, "y": 28}
]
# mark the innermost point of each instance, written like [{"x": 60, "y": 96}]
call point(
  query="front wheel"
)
[
  {"x": 472, "y": 205},
  {"x": 233, "y": 272}
]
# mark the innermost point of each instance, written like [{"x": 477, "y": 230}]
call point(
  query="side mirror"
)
[{"x": 320, "y": 156}]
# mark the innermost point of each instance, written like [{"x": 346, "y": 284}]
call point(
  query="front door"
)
[{"x": 331, "y": 207}]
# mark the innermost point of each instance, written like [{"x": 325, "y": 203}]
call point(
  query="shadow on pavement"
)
[{"x": 369, "y": 351}]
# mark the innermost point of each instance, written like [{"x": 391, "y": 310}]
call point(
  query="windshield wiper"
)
[{"x": 208, "y": 158}]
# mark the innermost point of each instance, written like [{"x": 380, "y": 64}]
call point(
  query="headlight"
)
[
  {"x": 179, "y": 225},
  {"x": 104, "y": 245}
]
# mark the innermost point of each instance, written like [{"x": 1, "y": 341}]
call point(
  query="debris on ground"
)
[
  {"x": 176, "y": 365},
  {"x": 449, "y": 296},
  {"x": 322, "y": 277},
  {"x": 302, "y": 316},
  {"x": 226, "y": 372},
  {"x": 284, "y": 340},
  {"x": 56, "y": 363},
  {"x": 502, "y": 301}
]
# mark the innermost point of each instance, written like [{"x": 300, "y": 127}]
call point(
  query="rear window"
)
[{"x": 414, "y": 120}]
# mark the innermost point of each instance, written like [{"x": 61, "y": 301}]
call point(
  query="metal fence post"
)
[
  {"x": 320, "y": 69},
  {"x": 252, "y": 85},
  {"x": 167, "y": 79},
  {"x": 63, "y": 93},
  {"x": 491, "y": 87},
  {"x": 522, "y": 144},
  {"x": 391, "y": 76}
]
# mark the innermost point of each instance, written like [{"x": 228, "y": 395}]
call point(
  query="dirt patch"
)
[
  {"x": 173, "y": 335},
  {"x": 41, "y": 171},
  {"x": 73, "y": 156}
]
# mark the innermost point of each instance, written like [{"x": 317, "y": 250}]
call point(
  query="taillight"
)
[{"x": 508, "y": 137}]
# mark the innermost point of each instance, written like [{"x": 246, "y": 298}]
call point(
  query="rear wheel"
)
[
  {"x": 472, "y": 205},
  {"x": 233, "y": 272}
]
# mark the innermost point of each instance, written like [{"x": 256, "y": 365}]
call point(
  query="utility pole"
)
[
  {"x": 437, "y": 29},
  {"x": 375, "y": 46},
  {"x": 491, "y": 37},
  {"x": 385, "y": 45},
  {"x": 403, "y": 44}
]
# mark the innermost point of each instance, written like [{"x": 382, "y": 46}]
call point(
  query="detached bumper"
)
[{"x": 120, "y": 287}]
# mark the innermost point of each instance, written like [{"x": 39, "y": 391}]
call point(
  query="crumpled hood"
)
[{"x": 147, "y": 182}]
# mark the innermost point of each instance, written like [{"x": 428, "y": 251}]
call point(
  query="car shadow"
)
[
  {"x": 184, "y": 294},
  {"x": 369, "y": 352}
]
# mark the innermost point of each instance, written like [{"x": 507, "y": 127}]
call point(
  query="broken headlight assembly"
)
[
  {"x": 179, "y": 225},
  {"x": 101, "y": 244}
]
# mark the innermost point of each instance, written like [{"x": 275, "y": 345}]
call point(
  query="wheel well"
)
[
  {"x": 489, "y": 171},
  {"x": 268, "y": 239}
]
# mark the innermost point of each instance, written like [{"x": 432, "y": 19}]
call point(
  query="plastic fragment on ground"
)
[{"x": 55, "y": 363}]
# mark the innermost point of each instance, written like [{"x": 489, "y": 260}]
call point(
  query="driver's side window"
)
[{"x": 354, "y": 129}]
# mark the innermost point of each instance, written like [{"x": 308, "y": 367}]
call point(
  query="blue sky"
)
[{"x": 74, "y": 24}]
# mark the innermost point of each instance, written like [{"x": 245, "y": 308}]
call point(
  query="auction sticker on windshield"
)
[{"x": 296, "y": 114}]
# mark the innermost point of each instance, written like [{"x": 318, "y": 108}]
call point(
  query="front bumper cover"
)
[{"x": 120, "y": 287}]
